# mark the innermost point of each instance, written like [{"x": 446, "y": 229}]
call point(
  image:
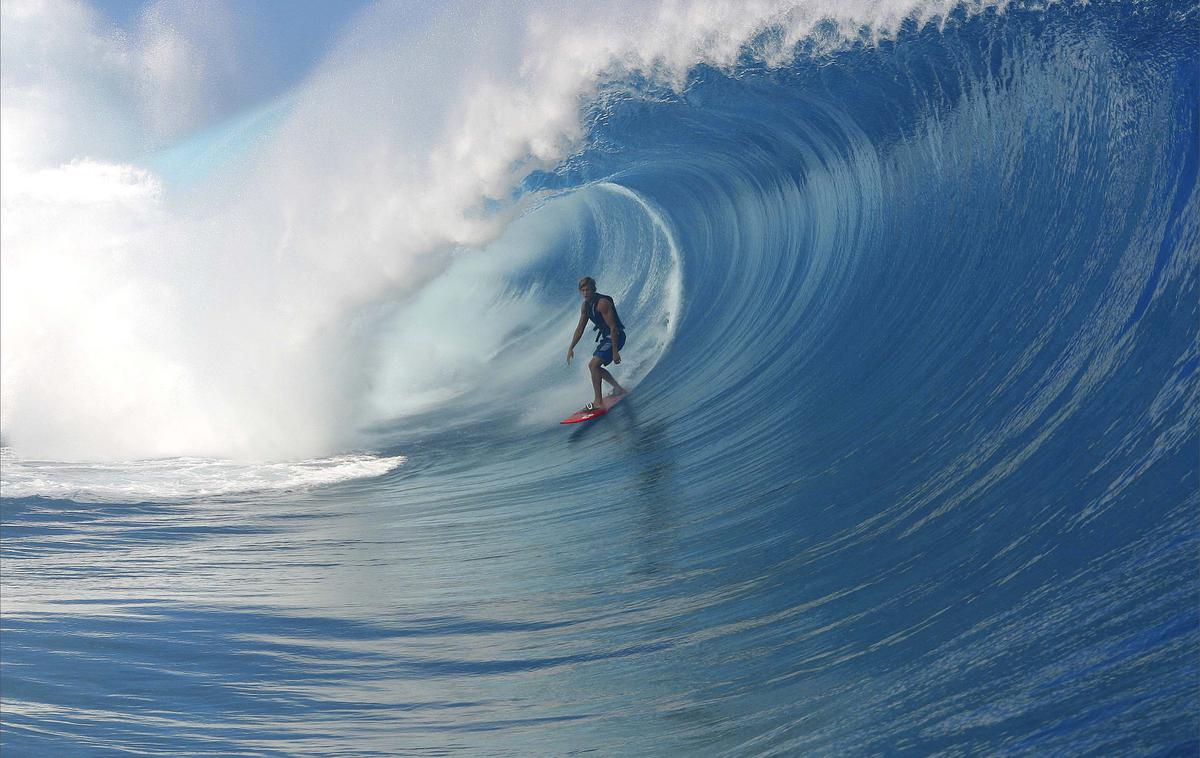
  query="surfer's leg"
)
[
  {"x": 611, "y": 380},
  {"x": 605, "y": 354},
  {"x": 595, "y": 367}
]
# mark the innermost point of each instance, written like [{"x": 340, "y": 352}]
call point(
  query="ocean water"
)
[{"x": 911, "y": 464}]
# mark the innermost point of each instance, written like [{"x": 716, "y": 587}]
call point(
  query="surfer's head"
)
[{"x": 587, "y": 286}]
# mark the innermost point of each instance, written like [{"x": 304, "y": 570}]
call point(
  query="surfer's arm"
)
[{"x": 578, "y": 333}]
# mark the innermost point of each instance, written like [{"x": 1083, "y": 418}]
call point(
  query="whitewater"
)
[{"x": 912, "y": 462}]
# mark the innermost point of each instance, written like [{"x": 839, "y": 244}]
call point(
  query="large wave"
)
[
  {"x": 398, "y": 235},
  {"x": 202, "y": 297},
  {"x": 913, "y": 294}
]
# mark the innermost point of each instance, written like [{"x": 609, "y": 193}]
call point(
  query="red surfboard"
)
[{"x": 586, "y": 415}]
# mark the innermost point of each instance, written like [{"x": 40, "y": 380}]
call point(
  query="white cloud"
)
[{"x": 191, "y": 63}]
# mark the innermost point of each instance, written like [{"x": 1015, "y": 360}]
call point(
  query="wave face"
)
[{"x": 911, "y": 463}]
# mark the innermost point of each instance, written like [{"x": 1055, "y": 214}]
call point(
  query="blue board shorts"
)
[{"x": 604, "y": 349}]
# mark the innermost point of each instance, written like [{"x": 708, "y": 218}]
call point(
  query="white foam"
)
[{"x": 172, "y": 479}]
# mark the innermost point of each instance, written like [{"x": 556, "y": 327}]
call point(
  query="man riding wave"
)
[{"x": 602, "y": 312}]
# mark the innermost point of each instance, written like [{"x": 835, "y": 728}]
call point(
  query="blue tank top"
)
[{"x": 597, "y": 318}]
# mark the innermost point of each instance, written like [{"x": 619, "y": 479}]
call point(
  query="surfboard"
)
[{"x": 582, "y": 415}]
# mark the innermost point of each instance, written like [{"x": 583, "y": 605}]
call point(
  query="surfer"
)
[{"x": 610, "y": 334}]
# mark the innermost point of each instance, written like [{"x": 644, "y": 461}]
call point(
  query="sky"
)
[
  {"x": 300, "y": 30},
  {"x": 289, "y": 36}
]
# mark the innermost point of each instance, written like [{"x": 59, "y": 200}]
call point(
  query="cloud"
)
[
  {"x": 66, "y": 84},
  {"x": 191, "y": 59}
]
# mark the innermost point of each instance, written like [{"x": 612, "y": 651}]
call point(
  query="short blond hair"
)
[{"x": 585, "y": 281}]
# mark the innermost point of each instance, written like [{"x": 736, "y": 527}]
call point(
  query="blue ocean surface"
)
[{"x": 911, "y": 464}]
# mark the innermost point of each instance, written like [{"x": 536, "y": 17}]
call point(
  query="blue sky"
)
[
  {"x": 302, "y": 28},
  {"x": 293, "y": 34}
]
